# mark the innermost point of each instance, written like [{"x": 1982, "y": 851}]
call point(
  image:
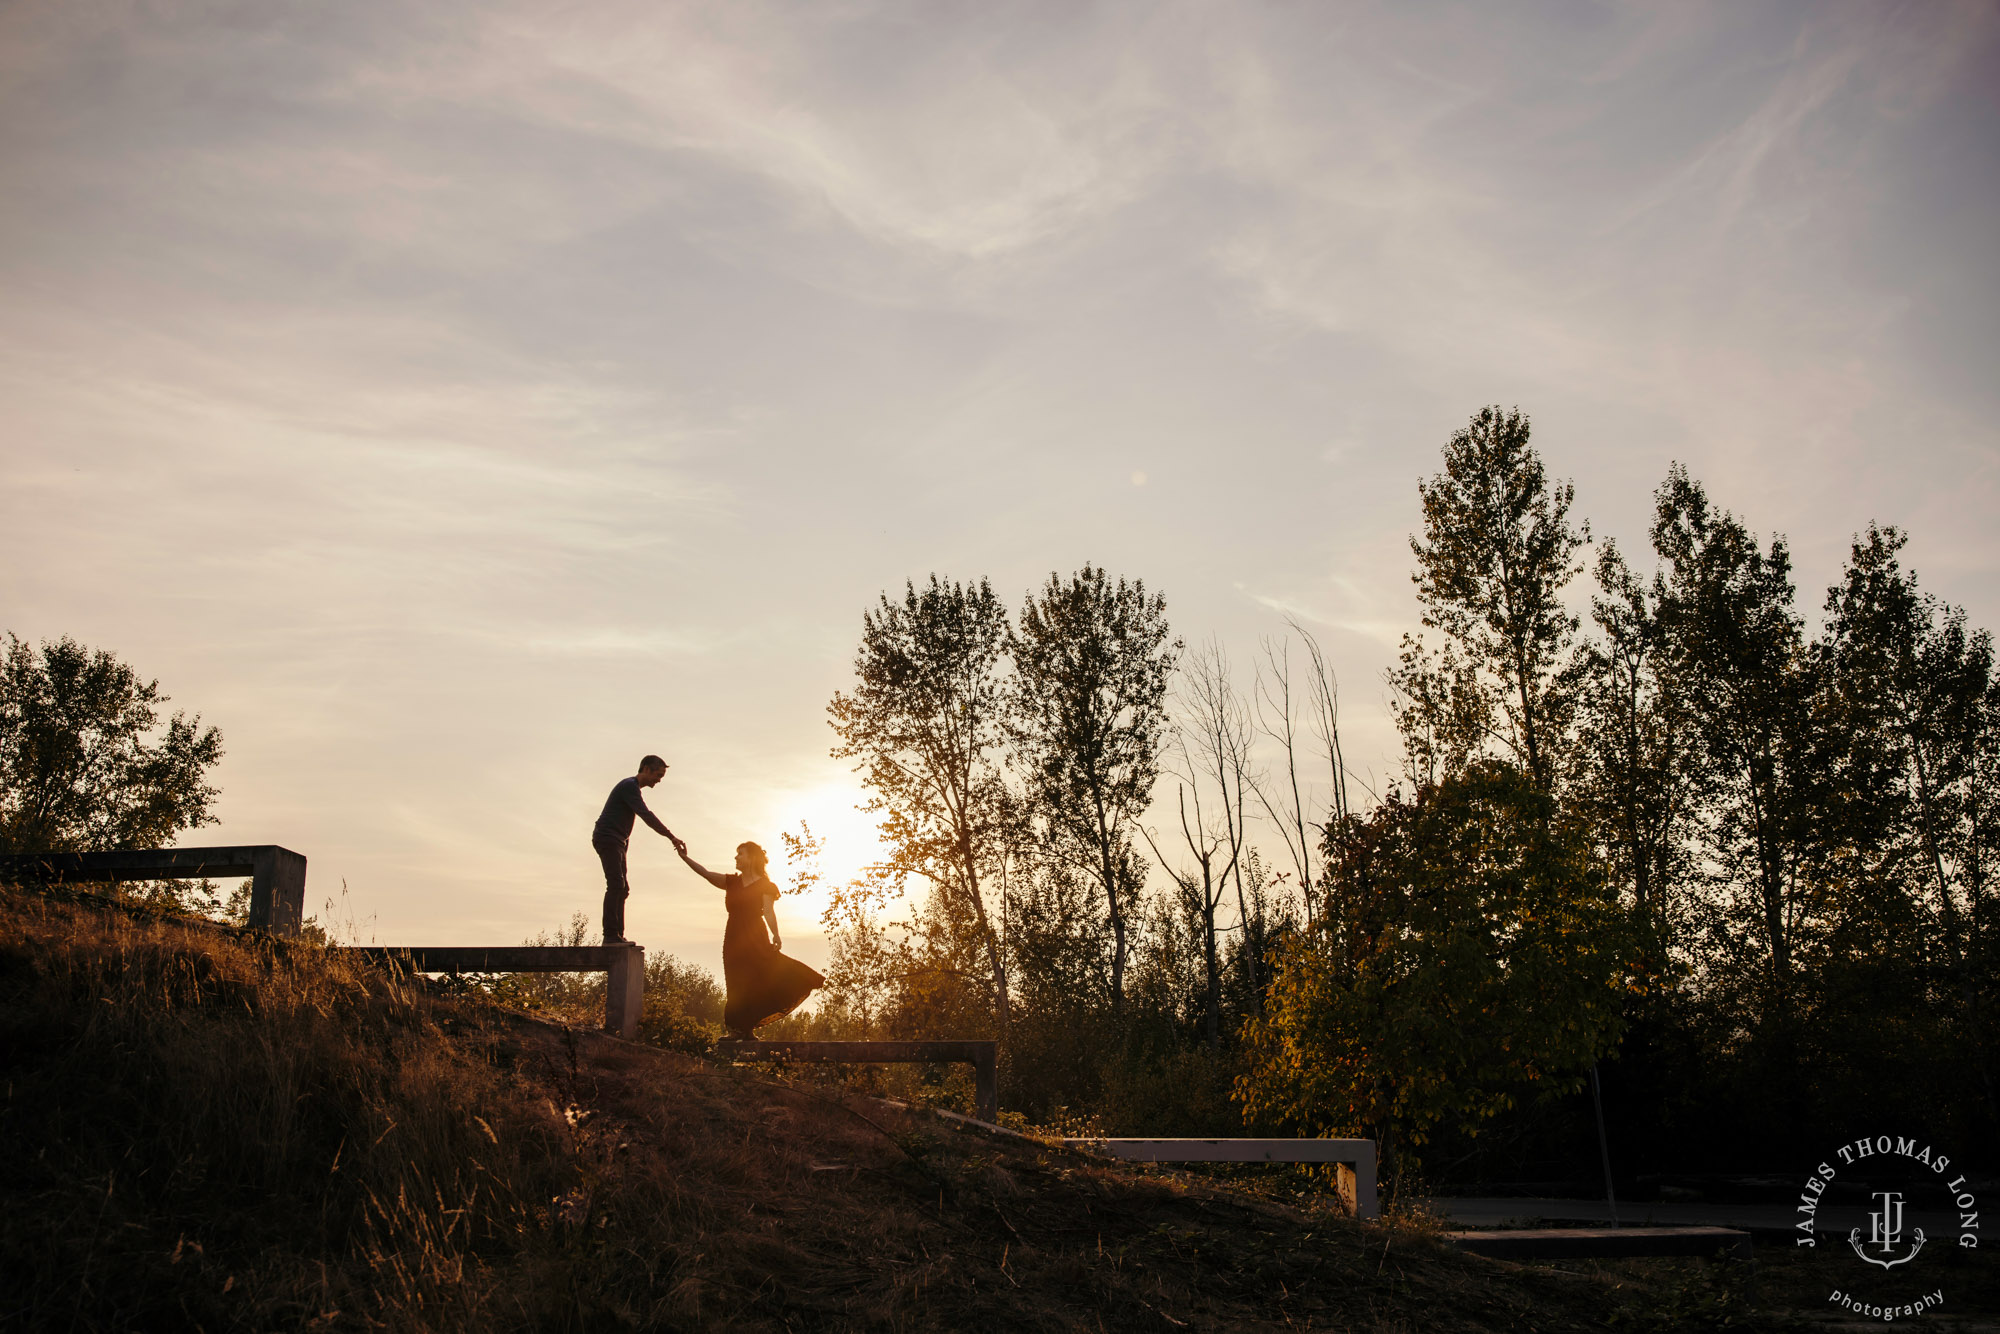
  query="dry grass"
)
[{"x": 207, "y": 1130}]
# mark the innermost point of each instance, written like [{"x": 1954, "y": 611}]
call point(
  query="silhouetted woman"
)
[{"x": 762, "y": 984}]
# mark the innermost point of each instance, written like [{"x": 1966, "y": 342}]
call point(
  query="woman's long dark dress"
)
[{"x": 762, "y": 983}]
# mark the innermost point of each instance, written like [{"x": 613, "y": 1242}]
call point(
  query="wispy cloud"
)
[{"x": 962, "y": 140}]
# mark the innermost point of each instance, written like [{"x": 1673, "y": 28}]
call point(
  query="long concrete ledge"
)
[
  {"x": 499, "y": 958},
  {"x": 277, "y": 875},
  {"x": 624, "y": 965},
  {"x": 1607, "y": 1243},
  {"x": 982, "y": 1056},
  {"x": 1355, "y": 1158}
]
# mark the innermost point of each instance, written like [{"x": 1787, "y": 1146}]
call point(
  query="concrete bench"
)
[
  {"x": 1354, "y": 1158},
  {"x": 623, "y": 965},
  {"x": 277, "y": 875},
  {"x": 983, "y": 1057}
]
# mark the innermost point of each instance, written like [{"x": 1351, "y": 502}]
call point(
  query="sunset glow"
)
[
  {"x": 848, "y": 838},
  {"x": 452, "y": 411}
]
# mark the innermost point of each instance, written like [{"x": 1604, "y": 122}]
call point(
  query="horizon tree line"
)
[
  {"x": 1743, "y": 866},
  {"x": 1687, "y": 835}
]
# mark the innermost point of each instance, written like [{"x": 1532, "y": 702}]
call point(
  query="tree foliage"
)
[
  {"x": 1092, "y": 660},
  {"x": 1908, "y": 697},
  {"x": 924, "y": 723},
  {"x": 1735, "y": 651},
  {"x": 85, "y": 765},
  {"x": 1469, "y": 959},
  {"x": 1631, "y": 781},
  {"x": 1496, "y": 553}
]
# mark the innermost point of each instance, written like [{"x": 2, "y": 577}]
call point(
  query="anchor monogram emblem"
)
[{"x": 1885, "y": 1230}]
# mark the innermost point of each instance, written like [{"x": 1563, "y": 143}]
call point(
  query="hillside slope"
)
[{"x": 218, "y": 1131}]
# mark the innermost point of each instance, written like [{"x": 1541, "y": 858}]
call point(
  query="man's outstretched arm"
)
[{"x": 644, "y": 812}]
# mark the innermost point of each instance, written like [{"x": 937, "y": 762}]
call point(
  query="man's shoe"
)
[{"x": 616, "y": 940}]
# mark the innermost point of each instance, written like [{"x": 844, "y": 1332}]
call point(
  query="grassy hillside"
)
[{"x": 211, "y": 1130}]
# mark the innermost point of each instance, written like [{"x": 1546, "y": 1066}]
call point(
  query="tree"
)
[
  {"x": 1905, "y": 685},
  {"x": 1209, "y": 746},
  {"x": 1469, "y": 959},
  {"x": 1632, "y": 783},
  {"x": 1733, "y": 649},
  {"x": 925, "y": 726},
  {"x": 1442, "y": 708},
  {"x": 1283, "y": 797},
  {"x": 82, "y": 765},
  {"x": 1496, "y": 554},
  {"x": 1091, "y": 663}
]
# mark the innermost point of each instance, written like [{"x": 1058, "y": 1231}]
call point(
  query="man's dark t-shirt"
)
[{"x": 625, "y": 801}]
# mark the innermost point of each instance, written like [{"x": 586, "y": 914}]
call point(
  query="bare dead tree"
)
[
  {"x": 1216, "y": 729},
  {"x": 1203, "y": 887},
  {"x": 1207, "y": 753},
  {"x": 1283, "y": 795},
  {"x": 1286, "y": 798}
]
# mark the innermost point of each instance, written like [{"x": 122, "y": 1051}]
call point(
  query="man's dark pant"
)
[{"x": 611, "y": 852}]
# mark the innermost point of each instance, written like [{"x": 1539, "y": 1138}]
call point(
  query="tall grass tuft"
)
[{"x": 185, "y": 1089}]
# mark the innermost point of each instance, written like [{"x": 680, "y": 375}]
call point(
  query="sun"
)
[{"x": 849, "y": 839}]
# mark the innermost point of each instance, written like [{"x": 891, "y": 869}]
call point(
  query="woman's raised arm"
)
[{"x": 701, "y": 870}]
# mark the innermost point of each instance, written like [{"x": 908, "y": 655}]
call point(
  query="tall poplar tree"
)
[
  {"x": 1734, "y": 650},
  {"x": 1631, "y": 781},
  {"x": 1906, "y": 687},
  {"x": 1091, "y": 662},
  {"x": 1497, "y": 551}
]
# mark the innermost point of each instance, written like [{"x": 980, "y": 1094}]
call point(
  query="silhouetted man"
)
[{"x": 613, "y": 835}]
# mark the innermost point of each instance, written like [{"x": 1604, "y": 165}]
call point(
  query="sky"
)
[{"x": 454, "y": 402}]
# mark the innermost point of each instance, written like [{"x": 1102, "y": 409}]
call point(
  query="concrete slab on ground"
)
[
  {"x": 1500, "y": 1212},
  {"x": 1603, "y": 1243}
]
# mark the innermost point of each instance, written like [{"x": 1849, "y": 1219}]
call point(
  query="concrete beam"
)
[
  {"x": 982, "y": 1056},
  {"x": 277, "y": 875},
  {"x": 496, "y": 958},
  {"x": 1354, "y": 1159},
  {"x": 624, "y": 967}
]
